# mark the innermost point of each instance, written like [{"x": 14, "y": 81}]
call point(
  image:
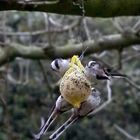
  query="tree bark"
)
[{"x": 110, "y": 42}]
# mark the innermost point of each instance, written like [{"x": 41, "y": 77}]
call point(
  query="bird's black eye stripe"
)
[
  {"x": 91, "y": 63},
  {"x": 56, "y": 64}
]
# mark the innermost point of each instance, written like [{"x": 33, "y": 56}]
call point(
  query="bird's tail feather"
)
[
  {"x": 45, "y": 127},
  {"x": 61, "y": 129}
]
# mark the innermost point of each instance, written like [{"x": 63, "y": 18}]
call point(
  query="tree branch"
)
[
  {"x": 125, "y": 133},
  {"x": 65, "y": 28},
  {"x": 93, "y": 8},
  {"x": 110, "y": 42},
  {"x": 109, "y": 99}
]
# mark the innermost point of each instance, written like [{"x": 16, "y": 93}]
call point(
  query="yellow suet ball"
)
[{"x": 74, "y": 86}]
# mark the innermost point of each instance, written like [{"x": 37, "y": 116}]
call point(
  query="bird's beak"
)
[{"x": 102, "y": 77}]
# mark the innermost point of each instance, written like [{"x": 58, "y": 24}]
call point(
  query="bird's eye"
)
[
  {"x": 55, "y": 65},
  {"x": 91, "y": 63}
]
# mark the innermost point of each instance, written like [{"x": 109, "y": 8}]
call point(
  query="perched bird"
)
[
  {"x": 60, "y": 107},
  {"x": 93, "y": 69},
  {"x": 60, "y": 66},
  {"x": 86, "y": 107},
  {"x": 97, "y": 68},
  {"x": 76, "y": 91},
  {"x": 101, "y": 70},
  {"x": 74, "y": 85}
]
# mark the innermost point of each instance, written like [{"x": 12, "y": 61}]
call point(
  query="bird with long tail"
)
[{"x": 86, "y": 107}]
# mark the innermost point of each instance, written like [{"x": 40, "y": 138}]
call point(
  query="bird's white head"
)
[{"x": 60, "y": 65}]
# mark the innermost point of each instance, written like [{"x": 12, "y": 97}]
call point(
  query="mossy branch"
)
[{"x": 110, "y": 42}]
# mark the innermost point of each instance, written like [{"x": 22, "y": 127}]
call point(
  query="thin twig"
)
[
  {"x": 125, "y": 133},
  {"x": 117, "y": 25},
  {"x": 86, "y": 29},
  {"x": 45, "y": 75},
  {"x": 136, "y": 26},
  {"x": 65, "y": 28},
  {"x": 39, "y": 2},
  {"x": 2, "y": 100},
  {"x": 132, "y": 83},
  {"x": 131, "y": 57},
  {"x": 119, "y": 60},
  {"x": 4, "y": 26},
  {"x": 109, "y": 99},
  {"x": 48, "y": 26}
]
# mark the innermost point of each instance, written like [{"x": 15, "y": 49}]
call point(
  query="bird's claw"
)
[{"x": 36, "y": 136}]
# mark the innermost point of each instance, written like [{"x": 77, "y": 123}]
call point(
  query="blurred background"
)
[{"x": 29, "y": 88}]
